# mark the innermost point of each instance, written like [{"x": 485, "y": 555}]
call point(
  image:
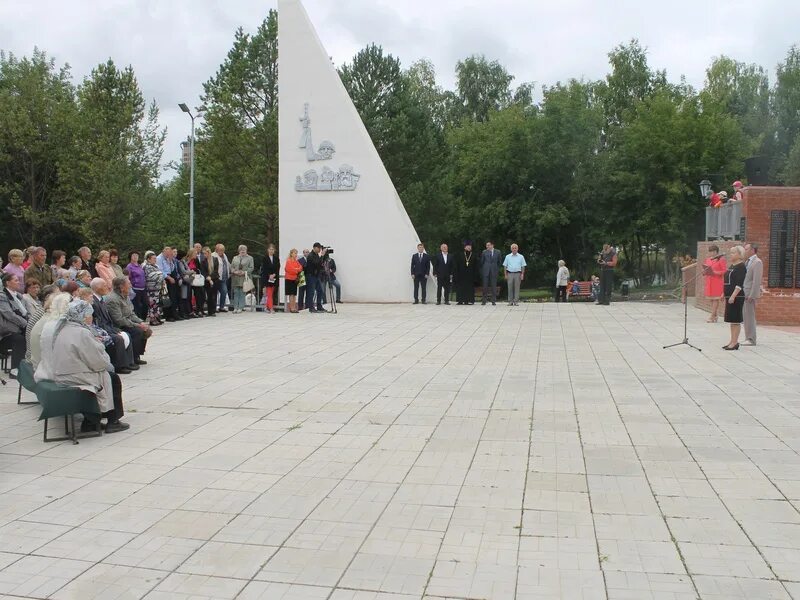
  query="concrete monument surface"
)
[{"x": 337, "y": 192}]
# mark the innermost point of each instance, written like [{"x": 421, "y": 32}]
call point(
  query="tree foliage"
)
[{"x": 559, "y": 169}]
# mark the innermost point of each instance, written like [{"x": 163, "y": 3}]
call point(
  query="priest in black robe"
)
[{"x": 465, "y": 276}]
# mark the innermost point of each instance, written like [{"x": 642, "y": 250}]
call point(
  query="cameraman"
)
[
  {"x": 607, "y": 262},
  {"x": 313, "y": 283}
]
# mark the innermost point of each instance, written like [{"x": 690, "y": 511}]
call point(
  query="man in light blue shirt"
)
[
  {"x": 165, "y": 262},
  {"x": 514, "y": 264}
]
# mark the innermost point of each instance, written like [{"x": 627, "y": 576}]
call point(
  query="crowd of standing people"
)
[
  {"x": 735, "y": 285},
  {"x": 468, "y": 271}
]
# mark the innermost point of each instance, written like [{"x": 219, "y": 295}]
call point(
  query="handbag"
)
[
  {"x": 198, "y": 280},
  {"x": 166, "y": 301},
  {"x": 248, "y": 285},
  {"x": 187, "y": 278}
]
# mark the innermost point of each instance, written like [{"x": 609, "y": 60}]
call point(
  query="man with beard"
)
[{"x": 465, "y": 275}]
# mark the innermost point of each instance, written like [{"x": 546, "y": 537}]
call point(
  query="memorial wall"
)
[{"x": 772, "y": 217}]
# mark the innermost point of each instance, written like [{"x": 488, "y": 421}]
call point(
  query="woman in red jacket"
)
[
  {"x": 292, "y": 271},
  {"x": 714, "y": 269}
]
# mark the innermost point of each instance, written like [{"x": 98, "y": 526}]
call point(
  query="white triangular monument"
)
[{"x": 333, "y": 187}]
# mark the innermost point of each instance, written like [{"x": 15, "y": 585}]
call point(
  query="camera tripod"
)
[{"x": 331, "y": 297}]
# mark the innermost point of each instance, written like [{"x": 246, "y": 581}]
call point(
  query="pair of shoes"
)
[
  {"x": 447, "y": 304},
  {"x": 123, "y": 371},
  {"x": 155, "y": 323},
  {"x": 416, "y": 301},
  {"x": 438, "y": 302},
  {"x": 222, "y": 310},
  {"x": 494, "y": 303},
  {"x": 115, "y": 426},
  {"x": 134, "y": 367},
  {"x": 12, "y": 374},
  {"x": 748, "y": 342},
  {"x": 171, "y": 319},
  {"x": 711, "y": 320},
  {"x": 736, "y": 347},
  {"x": 424, "y": 301},
  {"x": 139, "y": 361},
  {"x": 87, "y": 427}
]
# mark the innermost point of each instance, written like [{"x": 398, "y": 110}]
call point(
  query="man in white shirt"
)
[
  {"x": 443, "y": 267},
  {"x": 514, "y": 264}
]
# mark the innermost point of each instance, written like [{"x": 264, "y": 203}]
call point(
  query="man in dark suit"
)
[
  {"x": 121, "y": 357},
  {"x": 420, "y": 269},
  {"x": 120, "y": 309},
  {"x": 87, "y": 264},
  {"x": 443, "y": 266},
  {"x": 491, "y": 262}
]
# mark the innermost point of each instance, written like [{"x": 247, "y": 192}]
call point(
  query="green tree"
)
[
  {"x": 786, "y": 105},
  {"x": 405, "y": 114},
  {"x": 741, "y": 90},
  {"x": 483, "y": 87},
  {"x": 37, "y": 114},
  {"x": 236, "y": 186},
  {"x": 112, "y": 173},
  {"x": 630, "y": 81}
]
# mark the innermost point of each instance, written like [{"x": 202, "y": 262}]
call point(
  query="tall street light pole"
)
[{"x": 185, "y": 109}]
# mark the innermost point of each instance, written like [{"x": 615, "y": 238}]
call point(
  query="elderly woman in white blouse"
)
[{"x": 562, "y": 281}]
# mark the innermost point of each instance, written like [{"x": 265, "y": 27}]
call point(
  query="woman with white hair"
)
[
  {"x": 14, "y": 266},
  {"x": 562, "y": 281},
  {"x": 241, "y": 270},
  {"x": 734, "y": 296},
  {"x": 55, "y": 306},
  {"x": 73, "y": 356}
]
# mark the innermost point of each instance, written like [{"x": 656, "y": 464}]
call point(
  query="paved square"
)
[{"x": 408, "y": 452}]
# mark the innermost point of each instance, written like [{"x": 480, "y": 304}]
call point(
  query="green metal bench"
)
[
  {"x": 25, "y": 378},
  {"x": 62, "y": 401}
]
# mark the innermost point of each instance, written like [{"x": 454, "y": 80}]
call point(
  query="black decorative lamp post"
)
[{"x": 705, "y": 188}]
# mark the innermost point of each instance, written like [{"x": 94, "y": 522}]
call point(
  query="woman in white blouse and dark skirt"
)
[
  {"x": 562, "y": 281},
  {"x": 734, "y": 296}
]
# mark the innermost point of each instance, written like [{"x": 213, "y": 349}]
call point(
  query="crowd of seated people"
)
[{"x": 85, "y": 319}]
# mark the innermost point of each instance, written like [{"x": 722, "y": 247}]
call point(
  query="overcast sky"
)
[{"x": 175, "y": 46}]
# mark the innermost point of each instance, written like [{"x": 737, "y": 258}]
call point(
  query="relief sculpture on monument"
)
[{"x": 343, "y": 180}]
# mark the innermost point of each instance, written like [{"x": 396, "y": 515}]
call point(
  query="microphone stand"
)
[{"x": 685, "y": 295}]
